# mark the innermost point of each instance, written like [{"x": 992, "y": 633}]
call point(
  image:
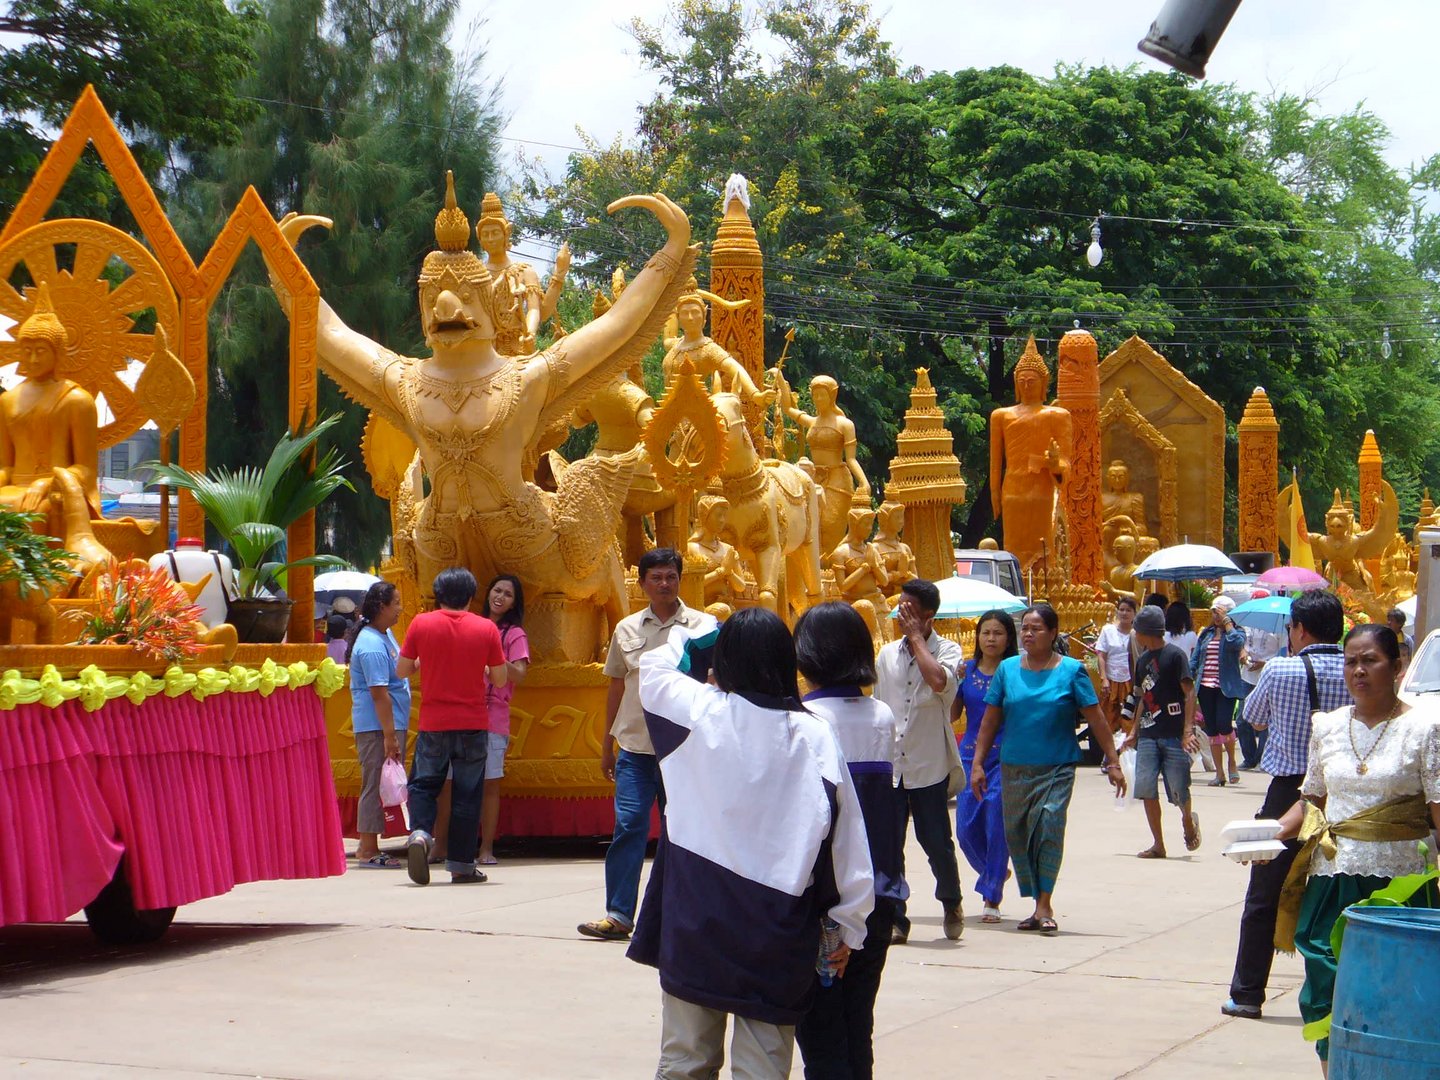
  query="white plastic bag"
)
[
  {"x": 393, "y": 789},
  {"x": 1127, "y": 768}
]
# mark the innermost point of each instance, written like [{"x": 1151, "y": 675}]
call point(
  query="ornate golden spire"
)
[
  {"x": 1031, "y": 360},
  {"x": 43, "y": 324},
  {"x": 491, "y": 210},
  {"x": 452, "y": 227}
]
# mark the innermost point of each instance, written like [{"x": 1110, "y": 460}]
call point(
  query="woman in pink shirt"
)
[{"x": 505, "y": 606}]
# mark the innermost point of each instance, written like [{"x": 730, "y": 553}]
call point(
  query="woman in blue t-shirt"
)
[
  {"x": 1035, "y": 698},
  {"x": 379, "y": 715},
  {"x": 980, "y": 823}
]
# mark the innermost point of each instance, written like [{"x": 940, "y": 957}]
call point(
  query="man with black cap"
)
[{"x": 1162, "y": 706}]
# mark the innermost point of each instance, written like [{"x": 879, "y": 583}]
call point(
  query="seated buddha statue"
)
[
  {"x": 1118, "y": 499},
  {"x": 48, "y": 440}
]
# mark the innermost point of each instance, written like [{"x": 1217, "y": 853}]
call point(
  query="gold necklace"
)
[{"x": 1360, "y": 766}]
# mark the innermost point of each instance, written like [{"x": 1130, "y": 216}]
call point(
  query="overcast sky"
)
[{"x": 574, "y": 64}]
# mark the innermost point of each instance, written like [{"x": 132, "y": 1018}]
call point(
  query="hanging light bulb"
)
[
  {"x": 1385, "y": 349},
  {"x": 1094, "y": 253}
]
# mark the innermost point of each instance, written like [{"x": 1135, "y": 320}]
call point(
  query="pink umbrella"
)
[{"x": 1291, "y": 577}]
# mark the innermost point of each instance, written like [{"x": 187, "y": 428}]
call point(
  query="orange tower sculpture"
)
[
  {"x": 737, "y": 272},
  {"x": 1371, "y": 476},
  {"x": 925, "y": 477},
  {"x": 1077, "y": 388},
  {"x": 1259, "y": 469}
]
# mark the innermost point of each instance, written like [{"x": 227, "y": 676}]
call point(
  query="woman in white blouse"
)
[{"x": 1372, "y": 791}]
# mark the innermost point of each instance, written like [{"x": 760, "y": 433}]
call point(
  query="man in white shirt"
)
[
  {"x": 917, "y": 677},
  {"x": 1113, "y": 648}
]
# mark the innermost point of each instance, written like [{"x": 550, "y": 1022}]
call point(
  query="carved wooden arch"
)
[
  {"x": 196, "y": 289},
  {"x": 1120, "y": 410}
]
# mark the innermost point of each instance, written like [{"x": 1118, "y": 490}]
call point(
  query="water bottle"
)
[{"x": 830, "y": 940}]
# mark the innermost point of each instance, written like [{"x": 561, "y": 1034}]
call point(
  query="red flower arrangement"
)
[{"x": 142, "y": 607}]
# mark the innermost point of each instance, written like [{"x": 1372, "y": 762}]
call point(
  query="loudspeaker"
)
[
  {"x": 1186, "y": 31},
  {"x": 1253, "y": 562}
]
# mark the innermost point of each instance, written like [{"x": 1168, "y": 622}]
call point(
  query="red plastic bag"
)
[{"x": 393, "y": 789}]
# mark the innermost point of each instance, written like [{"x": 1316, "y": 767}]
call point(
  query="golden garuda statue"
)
[
  {"x": 1341, "y": 546},
  {"x": 474, "y": 414}
]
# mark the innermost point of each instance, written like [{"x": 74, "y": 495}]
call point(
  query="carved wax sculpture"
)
[
  {"x": 898, "y": 558},
  {"x": 830, "y": 443},
  {"x": 925, "y": 479},
  {"x": 858, "y": 564},
  {"x": 1029, "y": 460},
  {"x": 774, "y": 517},
  {"x": 1119, "y": 499},
  {"x": 1340, "y": 547},
  {"x": 1077, "y": 391},
  {"x": 717, "y": 369},
  {"x": 531, "y": 306},
  {"x": 1259, "y": 466},
  {"x": 719, "y": 561},
  {"x": 48, "y": 449},
  {"x": 469, "y": 410},
  {"x": 1121, "y": 578}
]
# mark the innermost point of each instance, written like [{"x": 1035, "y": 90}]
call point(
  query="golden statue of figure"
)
[
  {"x": 1121, "y": 578},
  {"x": 717, "y": 369},
  {"x": 1397, "y": 580},
  {"x": 1341, "y": 547},
  {"x": 719, "y": 561},
  {"x": 533, "y": 304},
  {"x": 473, "y": 413},
  {"x": 1118, "y": 499},
  {"x": 830, "y": 443},
  {"x": 899, "y": 559},
  {"x": 1030, "y": 446},
  {"x": 859, "y": 565},
  {"x": 48, "y": 439}
]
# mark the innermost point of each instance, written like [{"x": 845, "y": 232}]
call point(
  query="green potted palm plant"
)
[{"x": 252, "y": 507}]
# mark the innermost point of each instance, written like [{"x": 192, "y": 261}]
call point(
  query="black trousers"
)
[
  {"x": 1256, "y": 950},
  {"x": 836, "y": 1035},
  {"x": 930, "y": 807}
]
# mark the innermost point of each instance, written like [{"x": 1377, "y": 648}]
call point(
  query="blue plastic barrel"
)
[{"x": 1385, "y": 1021}]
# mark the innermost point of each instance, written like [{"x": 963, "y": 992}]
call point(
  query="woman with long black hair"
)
[
  {"x": 379, "y": 714},
  {"x": 505, "y": 607}
]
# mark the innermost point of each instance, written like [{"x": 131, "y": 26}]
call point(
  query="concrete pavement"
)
[{"x": 368, "y": 976}]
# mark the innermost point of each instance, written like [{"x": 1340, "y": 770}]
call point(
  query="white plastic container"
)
[
  {"x": 1252, "y": 851},
  {"x": 1247, "y": 829},
  {"x": 189, "y": 561}
]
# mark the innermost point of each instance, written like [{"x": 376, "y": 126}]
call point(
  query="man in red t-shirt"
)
[{"x": 447, "y": 646}]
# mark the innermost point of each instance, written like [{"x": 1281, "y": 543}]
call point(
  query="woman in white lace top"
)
[{"x": 1374, "y": 775}]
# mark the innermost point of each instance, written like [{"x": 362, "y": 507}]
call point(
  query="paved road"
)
[{"x": 366, "y": 976}]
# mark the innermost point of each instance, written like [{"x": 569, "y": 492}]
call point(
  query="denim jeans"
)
[
  {"x": 930, "y": 808},
  {"x": 637, "y": 785},
  {"x": 436, "y": 752},
  {"x": 1252, "y": 742}
]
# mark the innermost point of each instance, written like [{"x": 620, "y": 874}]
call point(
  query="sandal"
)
[
  {"x": 1154, "y": 853},
  {"x": 1217, "y": 782},
  {"x": 382, "y": 861},
  {"x": 1192, "y": 842},
  {"x": 992, "y": 914},
  {"x": 1049, "y": 926},
  {"x": 1032, "y": 923},
  {"x": 488, "y": 860}
]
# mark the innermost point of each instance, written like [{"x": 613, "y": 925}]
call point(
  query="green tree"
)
[
  {"x": 365, "y": 109},
  {"x": 167, "y": 71}
]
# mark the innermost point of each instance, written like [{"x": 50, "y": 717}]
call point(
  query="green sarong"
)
[
  {"x": 1036, "y": 800},
  {"x": 1325, "y": 898}
]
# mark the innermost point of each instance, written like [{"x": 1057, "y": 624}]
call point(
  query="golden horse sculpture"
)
[
  {"x": 774, "y": 517},
  {"x": 475, "y": 414}
]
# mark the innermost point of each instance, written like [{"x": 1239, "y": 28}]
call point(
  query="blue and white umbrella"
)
[
  {"x": 1186, "y": 562},
  {"x": 1269, "y": 613},
  {"x": 969, "y": 598}
]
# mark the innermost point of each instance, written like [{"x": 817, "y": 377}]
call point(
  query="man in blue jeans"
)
[
  {"x": 1162, "y": 704},
  {"x": 634, "y": 768}
]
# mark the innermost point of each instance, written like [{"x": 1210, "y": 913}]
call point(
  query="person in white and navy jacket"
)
[
  {"x": 835, "y": 653},
  {"x": 762, "y": 836}
]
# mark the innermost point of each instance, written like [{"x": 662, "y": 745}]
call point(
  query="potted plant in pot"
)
[
  {"x": 251, "y": 509},
  {"x": 33, "y": 567}
]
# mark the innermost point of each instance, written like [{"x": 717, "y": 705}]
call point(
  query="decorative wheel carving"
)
[{"x": 110, "y": 280}]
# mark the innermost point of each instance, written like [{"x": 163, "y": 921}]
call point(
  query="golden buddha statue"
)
[
  {"x": 717, "y": 369},
  {"x": 533, "y": 304},
  {"x": 1120, "y": 580},
  {"x": 1118, "y": 499},
  {"x": 859, "y": 565},
  {"x": 48, "y": 439},
  {"x": 1342, "y": 548},
  {"x": 474, "y": 413},
  {"x": 899, "y": 559},
  {"x": 830, "y": 443},
  {"x": 719, "y": 561},
  {"x": 1030, "y": 446}
]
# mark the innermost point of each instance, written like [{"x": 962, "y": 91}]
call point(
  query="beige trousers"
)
[{"x": 692, "y": 1044}]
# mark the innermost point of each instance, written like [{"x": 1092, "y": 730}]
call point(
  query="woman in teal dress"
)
[
  {"x": 1034, "y": 698},
  {"x": 980, "y": 823}
]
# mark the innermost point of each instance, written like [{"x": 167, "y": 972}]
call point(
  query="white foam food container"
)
[
  {"x": 1250, "y": 829},
  {"x": 1248, "y": 851}
]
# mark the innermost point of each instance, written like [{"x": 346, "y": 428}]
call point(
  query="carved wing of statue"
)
[
  {"x": 1374, "y": 541},
  {"x": 373, "y": 397},
  {"x": 588, "y": 496},
  {"x": 557, "y": 410}
]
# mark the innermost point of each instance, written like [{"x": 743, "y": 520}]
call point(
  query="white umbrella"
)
[
  {"x": 1408, "y": 607},
  {"x": 969, "y": 598},
  {"x": 1186, "y": 562},
  {"x": 336, "y": 583}
]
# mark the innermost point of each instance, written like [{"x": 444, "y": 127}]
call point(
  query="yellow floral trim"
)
[{"x": 93, "y": 688}]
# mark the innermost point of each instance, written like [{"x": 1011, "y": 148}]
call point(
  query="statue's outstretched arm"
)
[{"x": 359, "y": 366}]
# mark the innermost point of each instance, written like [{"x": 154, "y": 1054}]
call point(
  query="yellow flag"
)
[{"x": 1300, "y": 551}]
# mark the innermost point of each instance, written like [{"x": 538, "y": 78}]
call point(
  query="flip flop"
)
[
  {"x": 379, "y": 862},
  {"x": 1032, "y": 923},
  {"x": 488, "y": 860},
  {"x": 1192, "y": 842},
  {"x": 1049, "y": 927},
  {"x": 992, "y": 914},
  {"x": 1151, "y": 853}
]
